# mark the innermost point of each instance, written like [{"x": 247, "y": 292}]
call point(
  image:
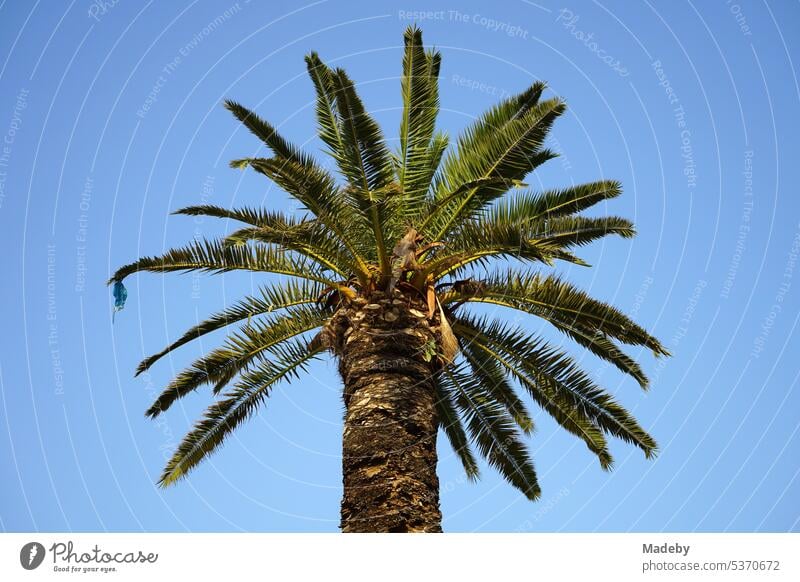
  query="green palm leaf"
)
[
  {"x": 216, "y": 257},
  {"x": 559, "y": 301},
  {"x": 319, "y": 194},
  {"x": 252, "y": 216},
  {"x": 478, "y": 242},
  {"x": 420, "y": 107},
  {"x": 308, "y": 238},
  {"x": 273, "y": 298},
  {"x": 369, "y": 164},
  {"x": 268, "y": 134},
  {"x": 544, "y": 240},
  {"x": 493, "y": 379},
  {"x": 549, "y": 367},
  {"x": 492, "y": 430},
  {"x": 240, "y": 350},
  {"x": 354, "y": 141},
  {"x": 551, "y": 401},
  {"x": 453, "y": 428},
  {"x": 569, "y": 231},
  {"x": 527, "y": 207},
  {"x": 510, "y": 150},
  {"x": 238, "y": 405}
]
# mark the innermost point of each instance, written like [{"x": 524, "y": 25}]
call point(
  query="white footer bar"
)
[{"x": 196, "y": 557}]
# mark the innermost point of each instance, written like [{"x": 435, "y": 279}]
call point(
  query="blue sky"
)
[{"x": 111, "y": 117}]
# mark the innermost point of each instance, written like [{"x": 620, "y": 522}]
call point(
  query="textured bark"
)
[{"x": 387, "y": 355}]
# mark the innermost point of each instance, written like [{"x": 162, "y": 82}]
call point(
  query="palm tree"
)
[{"x": 380, "y": 271}]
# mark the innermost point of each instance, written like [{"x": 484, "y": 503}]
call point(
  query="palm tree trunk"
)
[{"x": 386, "y": 358}]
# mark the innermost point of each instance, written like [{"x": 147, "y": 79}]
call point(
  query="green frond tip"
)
[
  {"x": 267, "y": 133},
  {"x": 240, "y": 164}
]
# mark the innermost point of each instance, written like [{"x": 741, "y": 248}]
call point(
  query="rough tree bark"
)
[{"x": 387, "y": 355}]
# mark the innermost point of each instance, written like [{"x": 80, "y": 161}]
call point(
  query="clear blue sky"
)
[{"x": 111, "y": 117}]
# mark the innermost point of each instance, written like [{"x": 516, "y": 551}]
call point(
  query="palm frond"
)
[
  {"x": 420, "y": 178},
  {"x": 559, "y": 301},
  {"x": 352, "y": 136},
  {"x": 454, "y": 430},
  {"x": 551, "y": 401},
  {"x": 216, "y": 257},
  {"x": 271, "y": 298},
  {"x": 528, "y": 207},
  {"x": 496, "y": 234},
  {"x": 308, "y": 238},
  {"x": 238, "y": 352},
  {"x": 420, "y": 107},
  {"x": 267, "y": 133},
  {"x": 510, "y": 151},
  {"x": 441, "y": 202},
  {"x": 366, "y": 161},
  {"x": 313, "y": 188},
  {"x": 592, "y": 339},
  {"x": 239, "y": 404},
  {"x": 478, "y": 242},
  {"x": 492, "y": 121},
  {"x": 549, "y": 367},
  {"x": 569, "y": 231},
  {"x": 248, "y": 215},
  {"x": 329, "y": 127},
  {"x": 492, "y": 430},
  {"x": 487, "y": 371},
  {"x": 318, "y": 193}
]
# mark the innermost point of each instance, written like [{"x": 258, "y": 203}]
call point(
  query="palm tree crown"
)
[{"x": 428, "y": 221}]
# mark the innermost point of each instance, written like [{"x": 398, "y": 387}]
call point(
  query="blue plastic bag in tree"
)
[{"x": 120, "y": 295}]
